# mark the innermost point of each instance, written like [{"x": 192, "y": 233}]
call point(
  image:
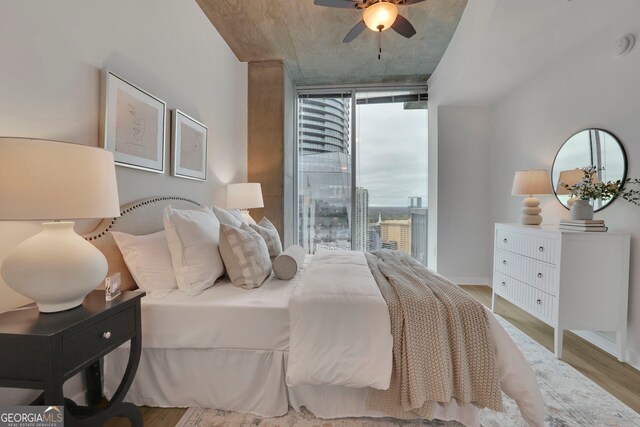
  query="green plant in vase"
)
[{"x": 590, "y": 188}]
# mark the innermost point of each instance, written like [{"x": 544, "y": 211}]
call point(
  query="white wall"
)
[
  {"x": 575, "y": 82},
  {"x": 51, "y": 55},
  {"x": 464, "y": 229}
]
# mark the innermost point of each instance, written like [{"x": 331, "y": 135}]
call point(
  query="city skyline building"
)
[
  {"x": 361, "y": 234},
  {"x": 399, "y": 231},
  {"x": 324, "y": 173},
  {"x": 419, "y": 223}
]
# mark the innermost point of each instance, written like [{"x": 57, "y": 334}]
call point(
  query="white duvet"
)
[{"x": 340, "y": 334}]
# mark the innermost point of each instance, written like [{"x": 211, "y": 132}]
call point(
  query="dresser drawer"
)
[
  {"x": 532, "y": 272},
  {"x": 533, "y": 245},
  {"x": 538, "y": 303},
  {"x": 98, "y": 339}
]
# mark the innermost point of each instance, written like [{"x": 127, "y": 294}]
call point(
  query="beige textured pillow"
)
[
  {"x": 270, "y": 235},
  {"x": 245, "y": 256},
  {"x": 286, "y": 265}
]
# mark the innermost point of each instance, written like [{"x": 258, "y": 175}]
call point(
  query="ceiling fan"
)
[{"x": 378, "y": 15}]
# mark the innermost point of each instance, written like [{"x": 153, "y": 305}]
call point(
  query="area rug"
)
[{"x": 571, "y": 399}]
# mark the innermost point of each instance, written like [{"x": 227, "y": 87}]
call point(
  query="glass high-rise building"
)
[
  {"x": 361, "y": 220},
  {"x": 419, "y": 224},
  {"x": 324, "y": 173}
]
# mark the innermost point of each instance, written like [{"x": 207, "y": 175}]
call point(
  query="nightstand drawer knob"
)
[
  {"x": 504, "y": 284},
  {"x": 539, "y": 275},
  {"x": 106, "y": 335},
  {"x": 541, "y": 249},
  {"x": 539, "y": 301},
  {"x": 504, "y": 240},
  {"x": 504, "y": 261}
]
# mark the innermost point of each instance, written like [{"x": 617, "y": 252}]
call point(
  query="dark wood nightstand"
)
[{"x": 42, "y": 350}]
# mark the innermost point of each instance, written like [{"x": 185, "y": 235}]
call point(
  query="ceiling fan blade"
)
[
  {"x": 408, "y": 2},
  {"x": 403, "y": 27},
  {"x": 341, "y": 4},
  {"x": 355, "y": 32}
]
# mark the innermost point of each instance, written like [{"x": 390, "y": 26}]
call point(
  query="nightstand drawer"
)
[
  {"x": 540, "y": 247},
  {"x": 532, "y": 272},
  {"x": 98, "y": 339}
]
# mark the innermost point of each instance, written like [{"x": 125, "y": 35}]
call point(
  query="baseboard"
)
[
  {"x": 632, "y": 358},
  {"x": 471, "y": 280}
]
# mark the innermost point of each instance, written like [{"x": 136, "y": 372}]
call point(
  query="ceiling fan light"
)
[{"x": 380, "y": 16}]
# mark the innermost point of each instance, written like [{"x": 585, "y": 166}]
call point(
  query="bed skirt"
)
[{"x": 241, "y": 380}]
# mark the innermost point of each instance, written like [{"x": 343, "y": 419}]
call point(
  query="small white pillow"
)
[
  {"x": 286, "y": 265},
  {"x": 149, "y": 262},
  {"x": 193, "y": 237},
  {"x": 232, "y": 217}
]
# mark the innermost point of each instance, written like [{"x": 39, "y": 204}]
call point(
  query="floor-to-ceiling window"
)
[{"x": 362, "y": 170}]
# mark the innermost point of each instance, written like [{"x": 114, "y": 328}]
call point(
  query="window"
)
[{"x": 370, "y": 193}]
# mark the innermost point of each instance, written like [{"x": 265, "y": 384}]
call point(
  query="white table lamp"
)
[
  {"x": 528, "y": 183},
  {"x": 49, "y": 180},
  {"x": 245, "y": 196}
]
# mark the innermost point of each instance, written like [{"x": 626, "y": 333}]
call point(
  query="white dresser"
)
[{"x": 569, "y": 280}]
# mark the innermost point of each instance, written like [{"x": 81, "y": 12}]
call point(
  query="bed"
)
[{"x": 229, "y": 348}]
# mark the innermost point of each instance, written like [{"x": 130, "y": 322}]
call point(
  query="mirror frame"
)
[{"x": 624, "y": 156}]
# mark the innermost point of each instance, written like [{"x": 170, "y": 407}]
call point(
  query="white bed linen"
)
[
  {"x": 223, "y": 316},
  {"x": 241, "y": 380},
  {"x": 230, "y": 379},
  {"x": 250, "y": 379},
  {"x": 338, "y": 333},
  {"x": 340, "y": 327}
]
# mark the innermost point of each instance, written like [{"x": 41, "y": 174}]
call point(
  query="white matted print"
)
[
  {"x": 134, "y": 123},
  {"x": 189, "y": 142}
]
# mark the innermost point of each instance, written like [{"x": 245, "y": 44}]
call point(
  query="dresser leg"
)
[
  {"x": 494, "y": 298},
  {"x": 557, "y": 342},
  {"x": 621, "y": 338}
]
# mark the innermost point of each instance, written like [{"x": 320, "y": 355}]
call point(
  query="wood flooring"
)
[{"x": 617, "y": 378}]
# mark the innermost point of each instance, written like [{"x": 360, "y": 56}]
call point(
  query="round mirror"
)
[{"x": 590, "y": 147}]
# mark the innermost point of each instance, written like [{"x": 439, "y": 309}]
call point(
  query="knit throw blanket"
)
[{"x": 442, "y": 347}]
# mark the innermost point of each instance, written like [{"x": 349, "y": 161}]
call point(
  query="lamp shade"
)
[
  {"x": 570, "y": 177},
  {"x": 52, "y": 180},
  {"x": 244, "y": 196},
  {"x": 380, "y": 16},
  {"x": 532, "y": 181}
]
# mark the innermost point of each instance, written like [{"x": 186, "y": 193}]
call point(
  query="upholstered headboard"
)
[{"x": 137, "y": 218}]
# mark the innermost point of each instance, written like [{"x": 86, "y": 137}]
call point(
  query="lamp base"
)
[
  {"x": 531, "y": 211},
  {"x": 247, "y": 217},
  {"x": 56, "y": 268}
]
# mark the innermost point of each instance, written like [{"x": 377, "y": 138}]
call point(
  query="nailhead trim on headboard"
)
[{"x": 104, "y": 229}]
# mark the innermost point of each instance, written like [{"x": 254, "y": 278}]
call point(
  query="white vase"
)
[{"x": 581, "y": 209}]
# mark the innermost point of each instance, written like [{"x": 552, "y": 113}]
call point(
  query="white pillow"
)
[
  {"x": 193, "y": 237},
  {"x": 149, "y": 262},
  {"x": 232, "y": 217},
  {"x": 269, "y": 233}
]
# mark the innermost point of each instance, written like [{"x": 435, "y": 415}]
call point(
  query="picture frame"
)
[
  {"x": 133, "y": 124},
  {"x": 189, "y": 147}
]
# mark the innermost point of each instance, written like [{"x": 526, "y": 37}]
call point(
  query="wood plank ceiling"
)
[{"x": 309, "y": 39}]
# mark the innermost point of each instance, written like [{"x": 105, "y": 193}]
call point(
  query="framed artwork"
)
[
  {"x": 189, "y": 147},
  {"x": 133, "y": 124}
]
